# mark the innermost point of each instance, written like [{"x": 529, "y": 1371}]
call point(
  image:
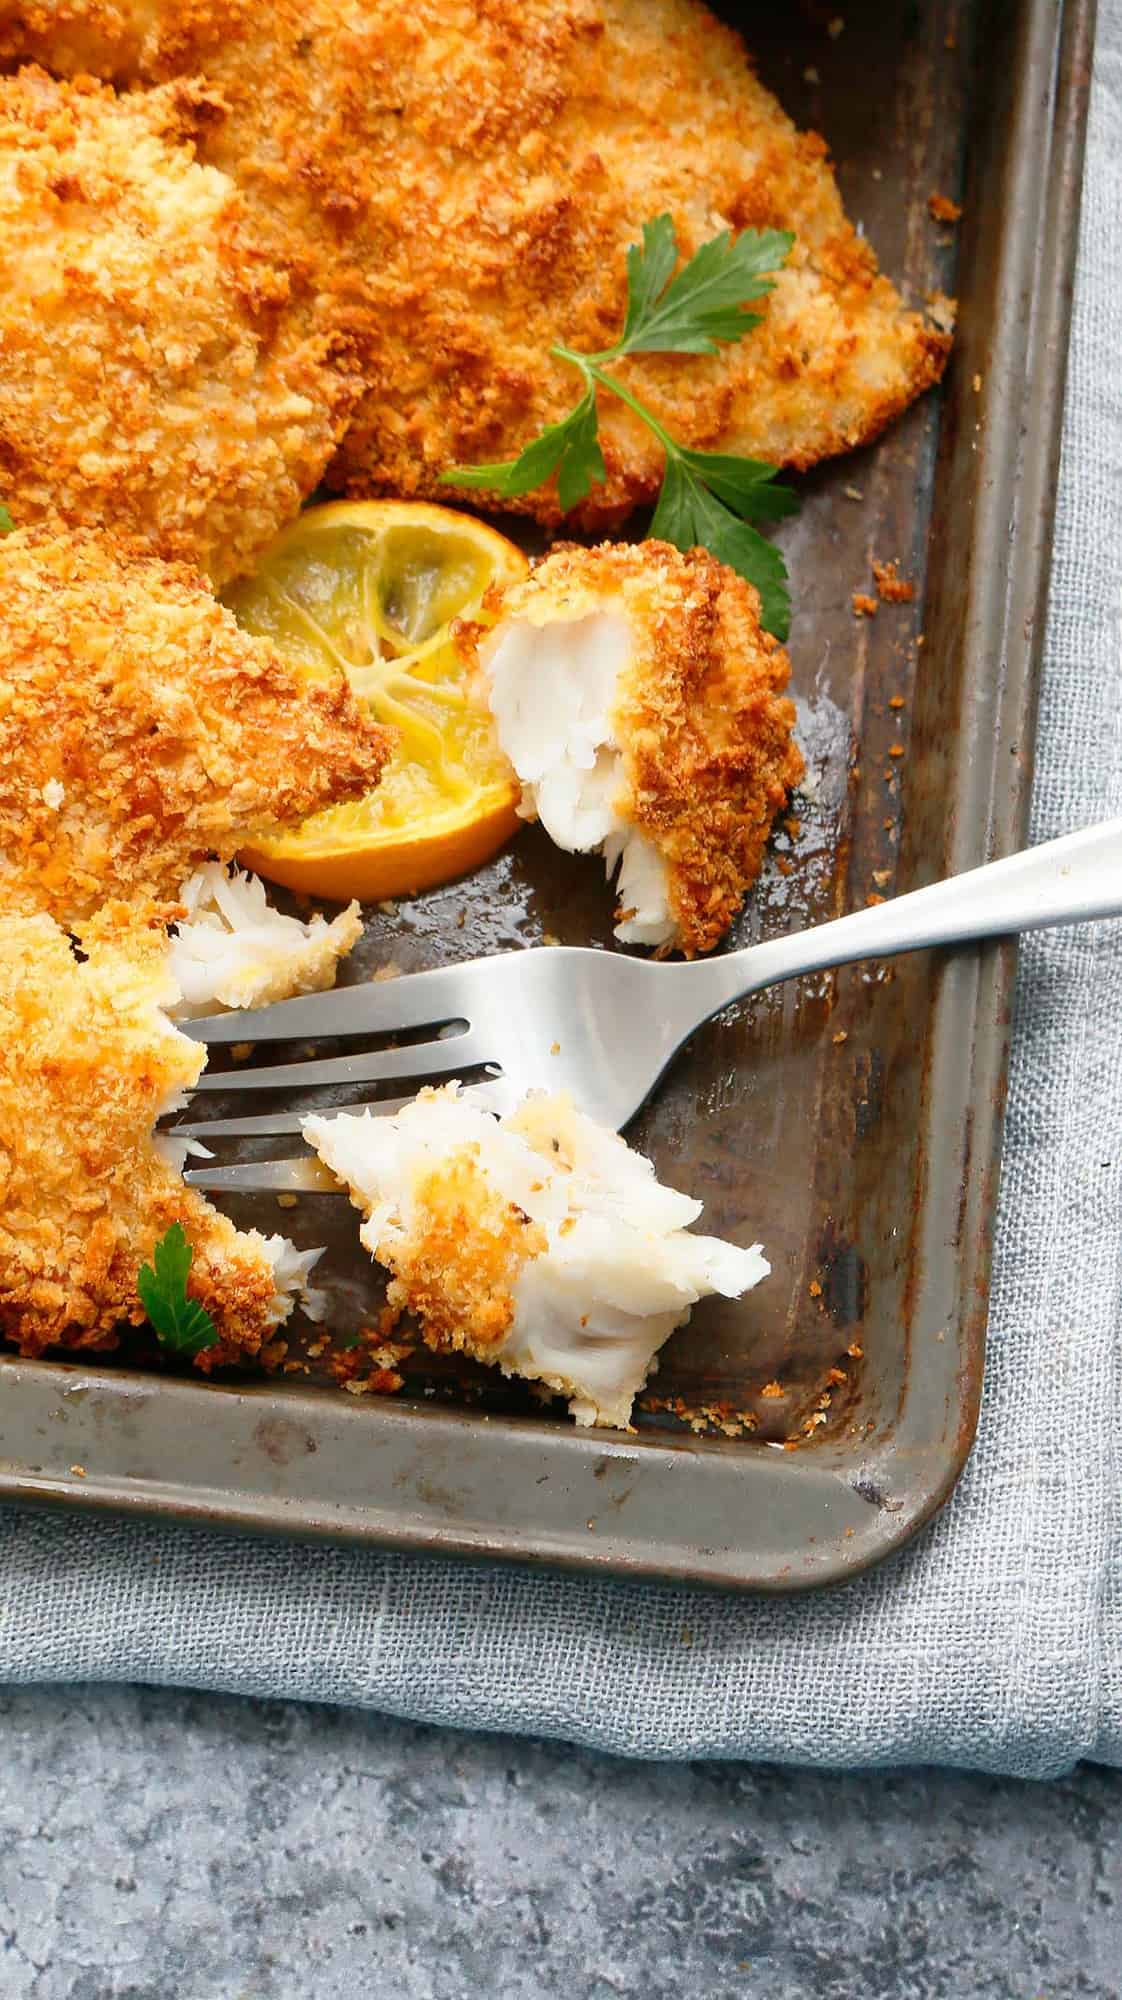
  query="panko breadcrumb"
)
[
  {"x": 72, "y": 37},
  {"x": 641, "y": 705},
  {"x": 891, "y": 586},
  {"x": 141, "y": 731},
  {"x": 167, "y": 365},
  {"x": 88, "y": 1061},
  {"x": 480, "y": 170}
]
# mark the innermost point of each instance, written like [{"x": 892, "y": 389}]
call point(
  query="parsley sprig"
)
[
  {"x": 182, "y": 1325},
  {"x": 6, "y": 521},
  {"x": 707, "y": 497}
]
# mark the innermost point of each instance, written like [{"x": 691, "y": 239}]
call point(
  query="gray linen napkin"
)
[{"x": 996, "y": 1640}]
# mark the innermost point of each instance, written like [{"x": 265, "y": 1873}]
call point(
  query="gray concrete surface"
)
[{"x": 162, "y": 1846}]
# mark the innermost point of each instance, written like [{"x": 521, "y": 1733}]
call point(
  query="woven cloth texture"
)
[{"x": 995, "y": 1641}]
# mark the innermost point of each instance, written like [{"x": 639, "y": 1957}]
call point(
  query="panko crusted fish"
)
[
  {"x": 141, "y": 732},
  {"x": 168, "y": 362},
  {"x": 642, "y": 707},
  {"x": 476, "y": 172},
  {"x": 89, "y": 1060}
]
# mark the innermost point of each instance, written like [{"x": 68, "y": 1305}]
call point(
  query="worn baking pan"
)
[{"x": 853, "y": 1122}]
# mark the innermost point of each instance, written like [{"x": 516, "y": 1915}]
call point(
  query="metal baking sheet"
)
[{"x": 851, "y": 1122}]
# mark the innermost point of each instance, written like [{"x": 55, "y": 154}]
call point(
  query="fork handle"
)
[{"x": 1062, "y": 881}]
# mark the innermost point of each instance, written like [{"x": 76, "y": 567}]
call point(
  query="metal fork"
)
[{"x": 603, "y": 1026}]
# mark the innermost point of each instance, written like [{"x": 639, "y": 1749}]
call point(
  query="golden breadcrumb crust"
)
[
  {"x": 165, "y": 365},
  {"x": 72, "y": 36},
  {"x": 703, "y": 725},
  {"x": 652, "y": 107},
  {"x": 141, "y": 730},
  {"x": 87, "y": 1062},
  {"x": 483, "y": 168},
  {"x": 457, "y": 1270}
]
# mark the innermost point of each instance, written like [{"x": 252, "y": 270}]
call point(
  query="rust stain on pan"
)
[{"x": 280, "y": 1440}]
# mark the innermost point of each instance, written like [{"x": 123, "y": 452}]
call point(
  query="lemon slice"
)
[{"x": 369, "y": 589}]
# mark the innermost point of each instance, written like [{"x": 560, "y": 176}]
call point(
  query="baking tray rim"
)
[{"x": 860, "y": 1510}]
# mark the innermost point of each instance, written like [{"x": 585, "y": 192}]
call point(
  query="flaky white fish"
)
[{"x": 538, "y": 1242}]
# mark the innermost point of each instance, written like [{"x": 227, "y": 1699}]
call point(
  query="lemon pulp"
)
[{"x": 370, "y": 589}]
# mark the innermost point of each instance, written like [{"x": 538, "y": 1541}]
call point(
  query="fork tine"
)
[
  {"x": 274, "y": 1125},
  {"x": 423, "y": 1059},
  {"x": 306, "y": 1175},
  {"x": 259, "y": 1176},
  {"x": 277, "y": 1124},
  {"x": 377, "y": 1007}
]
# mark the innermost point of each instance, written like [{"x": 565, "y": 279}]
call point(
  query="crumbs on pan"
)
[
  {"x": 722, "y": 1416},
  {"x": 864, "y": 606},
  {"x": 366, "y": 1363},
  {"x": 836, "y": 1378},
  {"x": 942, "y": 209},
  {"x": 892, "y": 588},
  {"x": 732, "y": 1422},
  {"x": 371, "y": 1364}
]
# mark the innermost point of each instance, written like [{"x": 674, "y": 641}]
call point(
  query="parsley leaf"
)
[
  {"x": 182, "y": 1325},
  {"x": 746, "y": 485},
  {"x": 6, "y": 521},
  {"x": 582, "y": 461},
  {"x": 650, "y": 267},
  {"x": 570, "y": 448},
  {"x": 708, "y": 499},
  {"x": 705, "y": 303},
  {"x": 690, "y": 516}
]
